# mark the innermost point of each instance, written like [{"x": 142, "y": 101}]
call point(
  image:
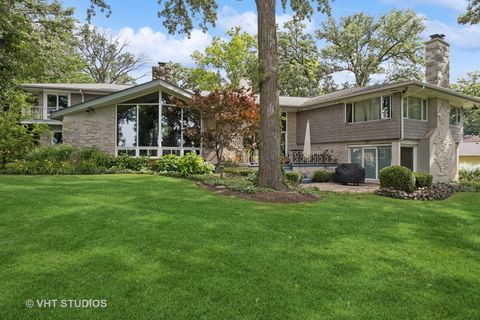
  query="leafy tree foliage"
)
[
  {"x": 363, "y": 46},
  {"x": 470, "y": 85},
  {"x": 16, "y": 139},
  {"x": 226, "y": 62},
  {"x": 300, "y": 71},
  {"x": 105, "y": 58},
  {"x": 37, "y": 44},
  {"x": 229, "y": 117},
  {"x": 472, "y": 16}
]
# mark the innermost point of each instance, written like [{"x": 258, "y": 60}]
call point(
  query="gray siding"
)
[
  {"x": 415, "y": 129},
  {"x": 327, "y": 125},
  {"x": 76, "y": 98}
]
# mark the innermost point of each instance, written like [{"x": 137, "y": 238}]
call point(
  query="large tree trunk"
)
[{"x": 269, "y": 171}]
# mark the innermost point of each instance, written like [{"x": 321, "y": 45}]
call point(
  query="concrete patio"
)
[{"x": 368, "y": 187}]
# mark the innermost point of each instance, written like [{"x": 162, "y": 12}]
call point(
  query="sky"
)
[{"x": 137, "y": 22}]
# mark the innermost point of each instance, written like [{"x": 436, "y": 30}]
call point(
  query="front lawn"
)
[{"x": 163, "y": 248}]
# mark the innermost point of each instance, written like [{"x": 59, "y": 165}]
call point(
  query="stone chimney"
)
[
  {"x": 161, "y": 72},
  {"x": 437, "y": 70}
]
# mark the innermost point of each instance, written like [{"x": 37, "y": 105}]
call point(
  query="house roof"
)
[
  {"x": 122, "y": 93},
  {"x": 471, "y": 139},
  {"x": 469, "y": 149},
  {"x": 89, "y": 87}
]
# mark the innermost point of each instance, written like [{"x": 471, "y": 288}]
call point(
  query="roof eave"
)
[{"x": 129, "y": 93}]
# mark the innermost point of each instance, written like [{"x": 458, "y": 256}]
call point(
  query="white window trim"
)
[
  {"x": 159, "y": 148},
  {"x": 421, "y": 109},
  {"x": 415, "y": 147},
  {"x": 458, "y": 117},
  {"x": 381, "y": 113},
  {"x": 46, "y": 93},
  {"x": 366, "y": 146}
]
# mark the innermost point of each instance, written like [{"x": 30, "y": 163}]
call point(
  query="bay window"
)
[
  {"x": 368, "y": 110},
  {"x": 416, "y": 109},
  {"x": 151, "y": 129}
]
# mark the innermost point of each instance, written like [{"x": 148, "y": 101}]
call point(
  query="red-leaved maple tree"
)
[{"x": 228, "y": 117}]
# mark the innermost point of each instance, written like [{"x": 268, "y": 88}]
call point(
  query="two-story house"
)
[{"x": 417, "y": 125}]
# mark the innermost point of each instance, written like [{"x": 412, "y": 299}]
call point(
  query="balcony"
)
[{"x": 38, "y": 113}]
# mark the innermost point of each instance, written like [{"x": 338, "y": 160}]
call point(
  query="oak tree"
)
[
  {"x": 106, "y": 60},
  {"x": 360, "y": 45}
]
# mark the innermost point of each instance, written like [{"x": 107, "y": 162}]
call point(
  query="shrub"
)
[
  {"x": 191, "y": 163},
  {"x": 293, "y": 178},
  {"x": 95, "y": 156},
  {"x": 238, "y": 171},
  {"x": 423, "y": 180},
  {"x": 472, "y": 185},
  {"x": 253, "y": 178},
  {"x": 398, "y": 178},
  {"x": 88, "y": 167},
  {"x": 57, "y": 153},
  {"x": 167, "y": 163},
  {"x": 469, "y": 172},
  {"x": 323, "y": 176},
  {"x": 132, "y": 163}
]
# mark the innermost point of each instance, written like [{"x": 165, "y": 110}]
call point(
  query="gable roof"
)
[
  {"x": 287, "y": 103},
  {"x": 469, "y": 149},
  {"x": 100, "y": 87},
  {"x": 126, "y": 94}
]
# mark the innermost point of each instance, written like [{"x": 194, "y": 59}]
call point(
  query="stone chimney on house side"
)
[
  {"x": 161, "y": 72},
  {"x": 437, "y": 71}
]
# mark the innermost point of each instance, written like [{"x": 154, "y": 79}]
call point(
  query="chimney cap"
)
[
  {"x": 437, "y": 36},
  {"x": 162, "y": 64}
]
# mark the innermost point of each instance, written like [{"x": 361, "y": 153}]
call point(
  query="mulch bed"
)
[{"x": 271, "y": 196}]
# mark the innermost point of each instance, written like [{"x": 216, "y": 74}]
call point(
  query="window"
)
[
  {"x": 151, "y": 130},
  {"x": 57, "y": 138},
  {"x": 57, "y": 101},
  {"x": 416, "y": 109},
  {"x": 455, "y": 116},
  {"x": 368, "y": 110},
  {"x": 372, "y": 159}
]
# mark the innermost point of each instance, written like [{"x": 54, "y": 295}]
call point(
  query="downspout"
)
[{"x": 83, "y": 95}]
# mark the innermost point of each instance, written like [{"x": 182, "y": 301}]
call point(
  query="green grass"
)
[{"x": 163, "y": 248}]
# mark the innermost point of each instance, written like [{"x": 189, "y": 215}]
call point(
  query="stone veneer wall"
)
[
  {"x": 91, "y": 129},
  {"x": 437, "y": 69},
  {"x": 443, "y": 146}
]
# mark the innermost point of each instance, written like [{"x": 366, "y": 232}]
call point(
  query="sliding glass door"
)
[{"x": 372, "y": 159}]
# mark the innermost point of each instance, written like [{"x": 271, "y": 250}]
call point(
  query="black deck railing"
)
[{"x": 296, "y": 156}]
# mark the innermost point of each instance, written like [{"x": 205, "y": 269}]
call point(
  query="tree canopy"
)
[
  {"x": 106, "y": 60},
  {"x": 470, "y": 85},
  {"x": 472, "y": 16},
  {"x": 364, "y": 47}
]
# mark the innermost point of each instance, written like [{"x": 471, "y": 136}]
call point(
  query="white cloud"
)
[
  {"x": 466, "y": 37},
  {"x": 159, "y": 46},
  {"x": 457, "y": 5},
  {"x": 247, "y": 21}
]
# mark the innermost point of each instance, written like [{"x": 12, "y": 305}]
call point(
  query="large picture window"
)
[
  {"x": 152, "y": 129},
  {"x": 416, "y": 109},
  {"x": 372, "y": 159},
  {"x": 368, "y": 110}
]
